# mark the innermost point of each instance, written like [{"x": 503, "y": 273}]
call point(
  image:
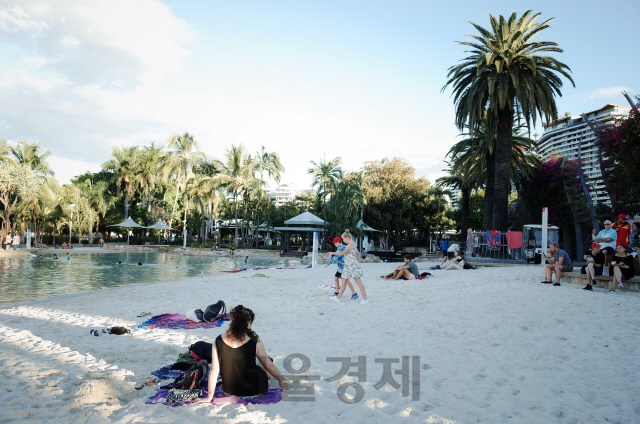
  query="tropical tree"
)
[
  {"x": 506, "y": 76},
  {"x": 324, "y": 174},
  {"x": 182, "y": 156},
  {"x": 124, "y": 170},
  {"x": 18, "y": 183},
  {"x": 462, "y": 178},
  {"x": 240, "y": 169}
]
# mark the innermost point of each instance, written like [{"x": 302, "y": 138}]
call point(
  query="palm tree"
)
[
  {"x": 29, "y": 154},
  {"x": 180, "y": 161},
  {"x": 5, "y": 149},
  {"x": 437, "y": 195},
  {"x": 460, "y": 177},
  {"x": 240, "y": 169},
  {"x": 324, "y": 174},
  {"x": 203, "y": 188},
  {"x": 124, "y": 168},
  {"x": 506, "y": 76}
]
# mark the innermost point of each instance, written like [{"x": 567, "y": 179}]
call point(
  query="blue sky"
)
[{"x": 360, "y": 80}]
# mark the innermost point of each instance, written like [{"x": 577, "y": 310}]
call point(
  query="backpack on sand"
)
[
  {"x": 215, "y": 312},
  {"x": 195, "y": 377}
]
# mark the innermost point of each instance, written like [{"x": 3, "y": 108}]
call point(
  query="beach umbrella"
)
[
  {"x": 161, "y": 226},
  {"x": 128, "y": 223}
]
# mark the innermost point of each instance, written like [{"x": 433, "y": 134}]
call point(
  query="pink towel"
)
[{"x": 514, "y": 239}]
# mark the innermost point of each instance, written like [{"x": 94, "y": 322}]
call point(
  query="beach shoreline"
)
[{"x": 493, "y": 344}]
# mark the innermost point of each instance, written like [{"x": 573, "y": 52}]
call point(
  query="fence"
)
[{"x": 479, "y": 248}]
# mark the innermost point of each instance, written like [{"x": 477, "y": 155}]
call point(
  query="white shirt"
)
[{"x": 611, "y": 233}]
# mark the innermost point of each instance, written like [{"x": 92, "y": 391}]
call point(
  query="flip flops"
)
[
  {"x": 94, "y": 333},
  {"x": 150, "y": 381}
]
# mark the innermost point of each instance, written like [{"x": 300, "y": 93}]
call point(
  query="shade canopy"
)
[
  {"x": 129, "y": 223},
  {"x": 305, "y": 218},
  {"x": 161, "y": 226},
  {"x": 364, "y": 227},
  {"x": 299, "y": 229}
]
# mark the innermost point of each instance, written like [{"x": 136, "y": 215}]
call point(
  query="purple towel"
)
[
  {"x": 271, "y": 396},
  {"x": 177, "y": 321}
]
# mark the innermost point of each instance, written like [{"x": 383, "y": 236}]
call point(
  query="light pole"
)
[{"x": 73, "y": 205}]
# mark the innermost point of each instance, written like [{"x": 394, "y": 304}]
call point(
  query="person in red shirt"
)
[{"x": 623, "y": 229}]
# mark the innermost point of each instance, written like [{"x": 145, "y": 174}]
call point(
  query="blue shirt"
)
[
  {"x": 562, "y": 254},
  {"x": 339, "y": 259},
  {"x": 444, "y": 244},
  {"x": 611, "y": 233}
]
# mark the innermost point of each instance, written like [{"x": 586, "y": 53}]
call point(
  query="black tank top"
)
[{"x": 241, "y": 376}]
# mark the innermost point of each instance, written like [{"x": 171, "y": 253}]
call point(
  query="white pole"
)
[
  {"x": 314, "y": 255},
  {"x": 545, "y": 245}
]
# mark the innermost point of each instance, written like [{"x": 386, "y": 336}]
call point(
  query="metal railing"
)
[{"x": 478, "y": 248}]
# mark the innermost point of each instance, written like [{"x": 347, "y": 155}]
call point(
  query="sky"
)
[{"x": 360, "y": 80}]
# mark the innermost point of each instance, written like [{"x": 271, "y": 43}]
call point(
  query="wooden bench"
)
[{"x": 603, "y": 282}]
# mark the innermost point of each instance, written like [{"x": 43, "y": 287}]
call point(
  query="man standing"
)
[
  {"x": 559, "y": 262},
  {"x": 16, "y": 241},
  {"x": 408, "y": 271},
  {"x": 623, "y": 228},
  {"x": 444, "y": 244}
]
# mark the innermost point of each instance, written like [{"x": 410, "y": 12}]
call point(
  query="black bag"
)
[
  {"x": 215, "y": 312},
  {"x": 202, "y": 350}
]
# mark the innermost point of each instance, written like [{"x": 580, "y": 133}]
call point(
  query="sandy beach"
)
[{"x": 494, "y": 345}]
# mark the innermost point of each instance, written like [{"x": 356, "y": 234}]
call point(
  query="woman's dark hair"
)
[
  {"x": 636, "y": 225},
  {"x": 239, "y": 327}
]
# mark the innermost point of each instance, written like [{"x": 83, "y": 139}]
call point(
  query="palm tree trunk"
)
[
  {"x": 235, "y": 225},
  {"x": 126, "y": 202},
  {"x": 202, "y": 223},
  {"x": 464, "y": 215},
  {"x": 173, "y": 211},
  {"x": 503, "y": 152},
  {"x": 488, "y": 192},
  {"x": 22, "y": 236}
]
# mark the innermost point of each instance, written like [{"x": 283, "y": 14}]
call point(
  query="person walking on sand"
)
[
  {"x": 351, "y": 267},
  {"x": 340, "y": 261},
  {"x": 16, "y": 241},
  {"x": 7, "y": 242}
]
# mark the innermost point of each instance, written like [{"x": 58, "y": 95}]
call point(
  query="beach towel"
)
[
  {"x": 166, "y": 373},
  {"x": 271, "y": 396},
  {"x": 493, "y": 238},
  {"x": 324, "y": 287},
  {"x": 514, "y": 239},
  {"x": 177, "y": 321}
]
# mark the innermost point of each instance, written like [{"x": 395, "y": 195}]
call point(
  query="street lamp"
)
[{"x": 73, "y": 205}]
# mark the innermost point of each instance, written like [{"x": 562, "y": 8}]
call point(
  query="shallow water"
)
[{"x": 23, "y": 279}]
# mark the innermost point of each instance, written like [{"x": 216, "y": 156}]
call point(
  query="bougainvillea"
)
[{"x": 620, "y": 147}]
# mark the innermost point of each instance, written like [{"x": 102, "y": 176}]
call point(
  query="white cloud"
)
[
  {"x": 65, "y": 168},
  {"x": 602, "y": 93}
]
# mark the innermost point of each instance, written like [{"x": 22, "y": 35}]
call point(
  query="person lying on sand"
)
[
  {"x": 234, "y": 357},
  {"x": 408, "y": 271}
]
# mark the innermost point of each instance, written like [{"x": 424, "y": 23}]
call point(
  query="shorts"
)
[
  {"x": 450, "y": 255},
  {"x": 338, "y": 274},
  {"x": 565, "y": 268},
  {"x": 608, "y": 249},
  {"x": 411, "y": 276}
]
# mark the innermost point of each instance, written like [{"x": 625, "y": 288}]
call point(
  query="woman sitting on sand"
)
[
  {"x": 455, "y": 263},
  {"x": 234, "y": 357}
]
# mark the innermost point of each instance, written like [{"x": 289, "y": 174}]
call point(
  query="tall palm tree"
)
[
  {"x": 124, "y": 169},
  {"x": 5, "y": 149},
  {"x": 30, "y": 155},
  {"x": 240, "y": 169},
  {"x": 463, "y": 178},
  {"x": 506, "y": 76},
  {"x": 150, "y": 162},
  {"x": 202, "y": 188},
  {"x": 324, "y": 174},
  {"x": 183, "y": 154}
]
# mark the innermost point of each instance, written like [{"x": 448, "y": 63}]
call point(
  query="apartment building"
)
[
  {"x": 285, "y": 193},
  {"x": 563, "y": 137}
]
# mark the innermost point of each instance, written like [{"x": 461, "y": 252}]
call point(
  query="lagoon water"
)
[{"x": 23, "y": 279}]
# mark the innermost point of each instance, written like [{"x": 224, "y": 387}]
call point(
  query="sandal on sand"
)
[
  {"x": 140, "y": 385},
  {"x": 152, "y": 381}
]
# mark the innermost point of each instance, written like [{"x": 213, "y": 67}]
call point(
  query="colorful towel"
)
[
  {"x": 177, "y": 321},
  {"x": 271, "y": 396},
  {"x": 166, "y": 373},
  {"x": 252, "y": 269},
  {"x": 324, "y": 287}
]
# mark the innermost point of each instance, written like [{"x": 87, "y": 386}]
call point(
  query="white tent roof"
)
[
  {"x": 129, "y": 223},
  {"x": 305, "y": 218},
  {"x": 364, "y": 227},
  {"x": 161, "y": 226}
]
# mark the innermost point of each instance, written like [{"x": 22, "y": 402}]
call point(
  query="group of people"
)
[
  {"x": 11, "y": 241},
  {"x": 611, "y": 254},
  {"x": 66, "y": 245},
  {"x": 346, "y": 256}
]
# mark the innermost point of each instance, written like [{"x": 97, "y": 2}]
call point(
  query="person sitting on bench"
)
[{"x": 594, "y": 266}]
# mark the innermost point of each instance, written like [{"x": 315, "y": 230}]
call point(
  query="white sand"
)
[{"x": 495, "y": 345}]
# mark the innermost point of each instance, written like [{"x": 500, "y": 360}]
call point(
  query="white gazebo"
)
[
  {"x": 128, "y": 223},
  {"x": 305, "y": 223}
]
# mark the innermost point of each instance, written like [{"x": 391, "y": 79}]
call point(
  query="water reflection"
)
[{"x": 23, "y": 279}]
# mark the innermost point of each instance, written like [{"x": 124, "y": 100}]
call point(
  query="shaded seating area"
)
[{"x": 304, "y": 224}]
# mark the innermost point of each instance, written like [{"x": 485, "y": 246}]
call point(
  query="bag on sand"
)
[
  {"x": 195, "y": 377},
  {"x": 215, "y": 312},
  {"x": 179, "y": 396}
]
